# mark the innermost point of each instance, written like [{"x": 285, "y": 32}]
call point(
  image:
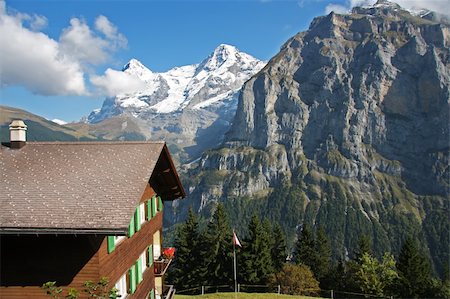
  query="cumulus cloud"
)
[
  {"x": 46, "y": 66},
  {"x": 33, "y": 60},
  {"x": 79, "y": 41},
  {"x": 103, "y": 25},
  {"x": 115, "y": 82},
  {"x": 440, "y": 6}
]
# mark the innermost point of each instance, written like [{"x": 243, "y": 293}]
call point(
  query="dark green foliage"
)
[
  {"x": 220, "y": 251},
  {"x": 278, "y": 247},
  {"x": 187, "y": 270},
  {"x": 321, "y": 267},
  {"x": 341, "y": 278},
  {"x": 305, "y": 248},
  {"x": 315, "y": 252},
  {"x": 436, "y": 227},
  {"x": 364, "y": 246},
  {"x": 332, "y": 216},
  {"x": 256, "y": 261},
  {"x": 414, "y": 271}
]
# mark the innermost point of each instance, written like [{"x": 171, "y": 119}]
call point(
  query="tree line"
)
[{"x": 204, "y": 257}]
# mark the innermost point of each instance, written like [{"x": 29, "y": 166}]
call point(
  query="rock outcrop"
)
[{"x": 353, "y": 114}]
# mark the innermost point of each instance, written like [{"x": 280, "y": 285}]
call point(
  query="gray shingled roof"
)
[{"x": 76, "y": 186}]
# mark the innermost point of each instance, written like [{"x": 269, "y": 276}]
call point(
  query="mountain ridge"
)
[
  {"x": 348, "y": 127},
  {"x": 189, "y": 106}
]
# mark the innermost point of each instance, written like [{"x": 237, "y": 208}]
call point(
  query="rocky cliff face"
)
[
  {"x": 352, "y": 117},
  {"x": 190, "y": 107}
]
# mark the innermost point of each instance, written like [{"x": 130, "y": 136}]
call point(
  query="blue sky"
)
[{"x": 52, "y": 52}]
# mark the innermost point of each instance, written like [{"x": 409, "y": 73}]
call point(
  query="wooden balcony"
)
[{"x": 161, "y": 265}]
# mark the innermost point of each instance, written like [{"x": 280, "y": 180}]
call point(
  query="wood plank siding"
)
[{"x": 86, "y": 255}]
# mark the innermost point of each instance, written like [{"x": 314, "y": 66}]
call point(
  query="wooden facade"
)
[{"x": 28, "y": 261}]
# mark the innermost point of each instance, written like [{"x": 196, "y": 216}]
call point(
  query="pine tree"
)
[
  {"x": 304, "y": 248},
  {"x": 219, "y": 245},
  {"x": 321, "y": 267},
  {"x": 187, "y": 270},
  {"x": 414, "y": 271},
  {"x": 256, "y": 256},
  {"x": 278, "y": 247},
  {"x": 364, "y": 246}
]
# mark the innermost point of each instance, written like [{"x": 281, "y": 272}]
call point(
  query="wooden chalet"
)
[{"x": 77, "y": 211}]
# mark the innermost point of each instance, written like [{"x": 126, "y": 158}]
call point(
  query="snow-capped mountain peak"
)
[
  {"x": 214, "y": 81},
  {"x": 136, "y": 68}
]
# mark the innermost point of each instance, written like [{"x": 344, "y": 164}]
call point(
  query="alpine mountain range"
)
[{"x": 346, "y": 128}]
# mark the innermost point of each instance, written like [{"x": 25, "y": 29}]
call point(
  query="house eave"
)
[{"x": 62, "y": 231}]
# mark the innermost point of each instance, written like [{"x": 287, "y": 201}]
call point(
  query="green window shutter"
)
[
  {"x": 139, "y": 271},
  {"x": 111, "y": 244},
  {"x": 137, "y": 219},
  {"x": 131, "y": 227},
  {"x": 152, "y": 294},
  {"x": 160, "y": 203},
  {"x": 150, "y": 256},
  {"x": 149, "y": 209},
  {"x": 153, "y": 206},
  {"x": 132, "y": 273}
]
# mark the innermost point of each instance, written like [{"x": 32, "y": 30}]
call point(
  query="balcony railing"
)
[
  {"x": 169, "y": 292},
  {"x": 161, "y": 266}
]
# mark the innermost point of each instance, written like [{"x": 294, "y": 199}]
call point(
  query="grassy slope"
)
[
  {"x": 115, "y": 128},
  {"x": 241, "y": 296},
  {"x": 47, "y": 130}
]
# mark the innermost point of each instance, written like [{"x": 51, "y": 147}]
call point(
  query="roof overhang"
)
[
  {"x": 61, "y": 231},
  {"x": 165, "y": 179}
]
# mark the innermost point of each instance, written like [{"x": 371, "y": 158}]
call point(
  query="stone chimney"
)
[{"x": 18, "y": 134}]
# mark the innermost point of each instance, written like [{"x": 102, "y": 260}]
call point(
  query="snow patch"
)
[{"x": 59, "y": 121}]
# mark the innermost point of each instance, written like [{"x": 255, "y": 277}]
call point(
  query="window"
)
[
  {"x": 154, "y": 205},
  {"x": 143, "y": 260},
  {"x": 157, "y": 244},
  {"x": 142, "y": 212},
  {"x": 121, "y": 286}
]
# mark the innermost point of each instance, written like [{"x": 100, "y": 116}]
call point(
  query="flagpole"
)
[{"x": 234, "y": 254}]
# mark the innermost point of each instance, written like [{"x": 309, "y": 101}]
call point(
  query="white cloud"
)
[
  {"x": 440, "y": 6},
  {"x": 38, "y": 22},
  {"x": 80, "y": 42},
  {"x": 46, "y": 66},
  {"x": 115, "y": 82},
  {"x": 337, "y": 8},
  {"x": 103, "y": 25},
  {"x": 33, "y": 60}
]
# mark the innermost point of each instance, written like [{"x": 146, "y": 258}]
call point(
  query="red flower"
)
[{"x": 169, "y": 252}]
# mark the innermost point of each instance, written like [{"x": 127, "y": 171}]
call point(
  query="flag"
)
[{"x": 236, "y": 240}]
